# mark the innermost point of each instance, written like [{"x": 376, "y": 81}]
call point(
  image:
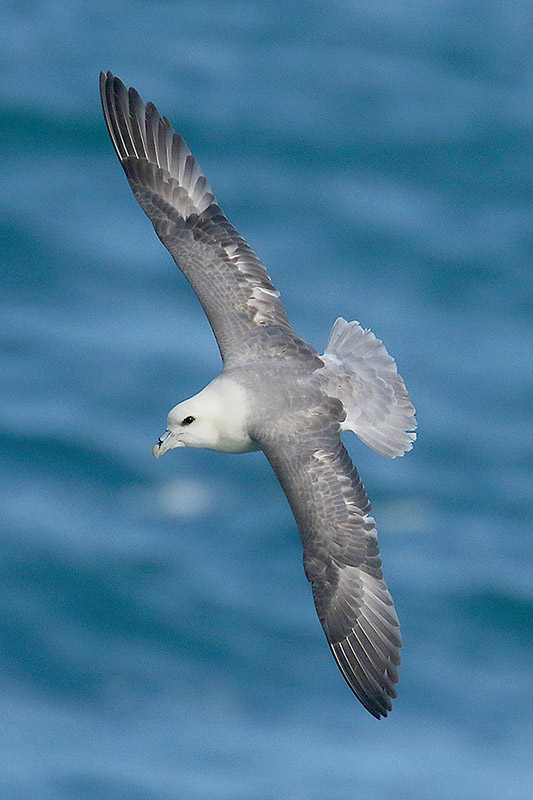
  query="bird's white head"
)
[{"x": 214, "y": 419}]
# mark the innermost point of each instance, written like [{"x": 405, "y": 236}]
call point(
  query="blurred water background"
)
[{"x": 158, "y": 636}]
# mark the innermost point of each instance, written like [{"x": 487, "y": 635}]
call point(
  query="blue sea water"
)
[{"x": 158, "y": 638}]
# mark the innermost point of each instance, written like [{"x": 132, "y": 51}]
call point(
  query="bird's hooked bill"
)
[{"x": 166, "y": 442}]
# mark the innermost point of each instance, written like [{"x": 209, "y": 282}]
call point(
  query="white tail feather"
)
[{"x": 378, "y": 408}]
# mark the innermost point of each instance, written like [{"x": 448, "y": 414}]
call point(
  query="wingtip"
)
[
  {"x": 379, "y": 704},
  {"x": 109, "y": 78},
  {"x": 105, "y": 76}
]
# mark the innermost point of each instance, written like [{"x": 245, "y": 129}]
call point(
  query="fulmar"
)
[{"x": 275, "y": 393}]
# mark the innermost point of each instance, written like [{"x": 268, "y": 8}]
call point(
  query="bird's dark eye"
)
[{"x": 187, "y": 420}]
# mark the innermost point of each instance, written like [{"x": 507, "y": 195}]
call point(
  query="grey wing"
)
[
  {"x": 226, "y": 275},
  {"x": 341, "y": 553}
]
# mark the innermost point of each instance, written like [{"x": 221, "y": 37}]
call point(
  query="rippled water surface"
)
[{"x": 158, "y": 636}]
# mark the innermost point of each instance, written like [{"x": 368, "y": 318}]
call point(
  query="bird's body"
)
[{"x": 277, "y": 394}]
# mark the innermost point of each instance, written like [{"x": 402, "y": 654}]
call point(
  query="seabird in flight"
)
[{"x": 277, "y": 394}]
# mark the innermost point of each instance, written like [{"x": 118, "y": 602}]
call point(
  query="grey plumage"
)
[
  {"x": 341, "y": 554},
  {"x": 231, "y": 283},
  {"x": 298, "y": 402}
]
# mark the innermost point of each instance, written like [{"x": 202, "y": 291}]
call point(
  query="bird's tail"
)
[{"x": 377, "y": 404}]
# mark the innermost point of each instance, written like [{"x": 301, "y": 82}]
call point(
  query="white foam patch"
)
[{"x": 184, "y": 498}]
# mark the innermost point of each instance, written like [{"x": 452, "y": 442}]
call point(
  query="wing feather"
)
[
  {"x": 230, "y": 281},
  {"x": 341, "y": 553}
]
